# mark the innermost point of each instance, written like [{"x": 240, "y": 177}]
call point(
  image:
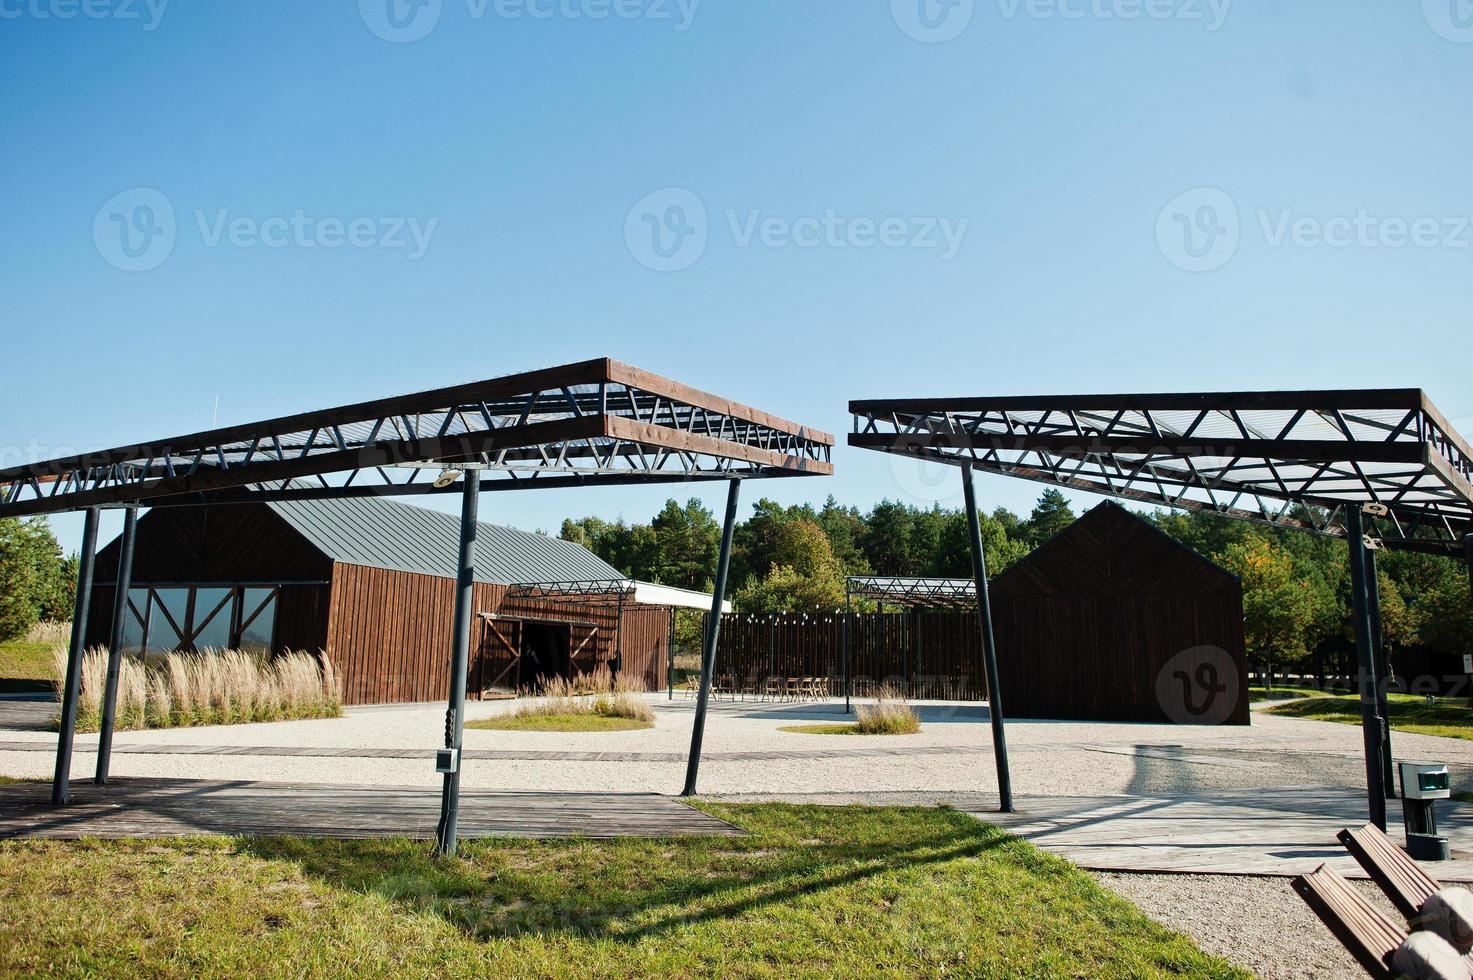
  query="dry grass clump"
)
[
  {"x": 50, "y": 632},
  {"x": 598, "y": 693},
  {"x": 891, "y": 714},
  {"x": 210, "y": 688}
]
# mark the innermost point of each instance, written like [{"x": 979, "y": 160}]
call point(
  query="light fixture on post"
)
[{"x": 447, "y": 478}]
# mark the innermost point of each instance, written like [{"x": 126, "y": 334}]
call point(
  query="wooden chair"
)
[
  {"x": 1400, "y": 877},
  {"x": 772, "y": 687},
  {"x": 1361, "y": 928}
]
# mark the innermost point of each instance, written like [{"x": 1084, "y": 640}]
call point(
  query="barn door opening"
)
[
  {"x": 546, "y": 651},
  {"x": 497, "y": 669}
]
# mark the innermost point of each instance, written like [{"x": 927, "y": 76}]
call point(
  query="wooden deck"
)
[
  {"x": 172, "y": 808},
  {"x": 1246, "y": 832}
]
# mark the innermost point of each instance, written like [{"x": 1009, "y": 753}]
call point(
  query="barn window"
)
[{"x": 162, "y": 620}]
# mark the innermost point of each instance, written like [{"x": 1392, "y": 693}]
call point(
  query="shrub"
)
[
  {"x": 598, "y": 693},
  {"x": 211, "y": 688},
  {"x": 891, "y": 714}
]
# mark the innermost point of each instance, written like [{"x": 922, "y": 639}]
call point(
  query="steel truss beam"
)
[
  {"x": 597, "y": 421},
  {"x": 915, "y": 593},
  {"x": 1295, "y": 459},
  {"x": 592, "y": 592}
]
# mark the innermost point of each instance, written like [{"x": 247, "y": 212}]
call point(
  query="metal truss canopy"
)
[
  {"x": 594, "y": 422},
  {"x": 614, "y": 591},
  {"x": 1292, "y": 458},
  {"x": 915, "y": 593}
]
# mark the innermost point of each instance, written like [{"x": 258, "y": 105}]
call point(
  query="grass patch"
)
[
  {"x": 891, "y": 714},
  {"x": 836, "y": 728},
  {"x": 25, "y": 667},
  {"x": 1290, "y": 691},
  {"x": 814, "y": 891},
  {"x": 596, "y": 702},
  {"x": 214, "y": 688},
  {"x": 559, "y": 723},
  {"x": 1406, "y": 713},
  {"x": 839, "y": 728}
]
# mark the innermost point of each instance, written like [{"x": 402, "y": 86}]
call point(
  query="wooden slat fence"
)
[{"x": 925, "y": 654}]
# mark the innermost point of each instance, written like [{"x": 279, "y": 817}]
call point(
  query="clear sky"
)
[{"x": 278, "y": 206}]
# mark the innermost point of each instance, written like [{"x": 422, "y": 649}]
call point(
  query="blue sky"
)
[{"x": 1069, "y": 146}]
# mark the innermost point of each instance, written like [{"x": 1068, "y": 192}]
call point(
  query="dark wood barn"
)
[
  {"x": 1113, "y": 620},
  {"x": 370, "y": 582}
]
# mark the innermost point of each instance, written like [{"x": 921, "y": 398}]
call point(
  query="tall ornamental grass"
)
[
  {"x": 891, "y": 714},
  {"x": 598, "y": 693},
  {"x": 210, "y": 688},
  {"x": 50, "y": 632}
]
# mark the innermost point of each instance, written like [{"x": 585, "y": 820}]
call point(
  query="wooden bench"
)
[
  {"x": 1399, "y": 876},
  {"x": 1361, "y": 928}
]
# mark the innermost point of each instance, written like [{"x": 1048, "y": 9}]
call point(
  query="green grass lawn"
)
[
  {"x": 834, "y": 729},
  {"x": 560, "y": 723},
  {"x": 814, "y": 891},
  {"x": 25, "y": 667},
  {"x": 1284, "y": 692},
  {"x": 1408, "y": 713}
]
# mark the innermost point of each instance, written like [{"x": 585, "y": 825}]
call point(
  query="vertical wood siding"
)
[{"x": 389, "y": 635}]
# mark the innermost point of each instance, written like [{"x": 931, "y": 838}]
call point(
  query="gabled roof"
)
[
  {"x": 382, "y": 533},
  {"x": 1111, "y": 551}
]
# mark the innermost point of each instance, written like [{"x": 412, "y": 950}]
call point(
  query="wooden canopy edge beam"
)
[
  {"x": 1405, "y": 399},
  {"x": 567, "y": 375},
  {"x": 634, "y": 377},
  {"x": 691, "y": 442},
  {"x": 380, "y": 454}
]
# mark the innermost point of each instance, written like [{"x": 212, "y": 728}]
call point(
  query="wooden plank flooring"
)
[
  {"x": 1255, "y": 832},
  {"x": 169, "y": 808}
]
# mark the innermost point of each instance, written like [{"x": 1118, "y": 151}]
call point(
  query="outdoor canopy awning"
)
[
  {"x": 915, "y": 593},
  {"x": 594, "y": 422},
  {"x": 1293, "y": 458},
  {"x": 630, "y": 591}
]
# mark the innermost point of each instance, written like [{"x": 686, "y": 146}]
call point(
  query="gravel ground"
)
[
  {"x": 1258, "y": 923},
  {"x": 1049, "y": 758}
]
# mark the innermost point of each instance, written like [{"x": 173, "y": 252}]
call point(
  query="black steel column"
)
[
  {"x": 1384, "y": 677},
  {"x": 619, "y": 639},
  {"x": 848, "y": 641},
  {"x": 989, "y": 648},
  {"x": 670, "y": 659},
  {"x": 1371, "y": 722},
  {"x": 122, "y": 583},
  {"x": 713, "y": 633},
  {"x": 460, "y": 645},
  {"x": 61, "y": 792}
]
